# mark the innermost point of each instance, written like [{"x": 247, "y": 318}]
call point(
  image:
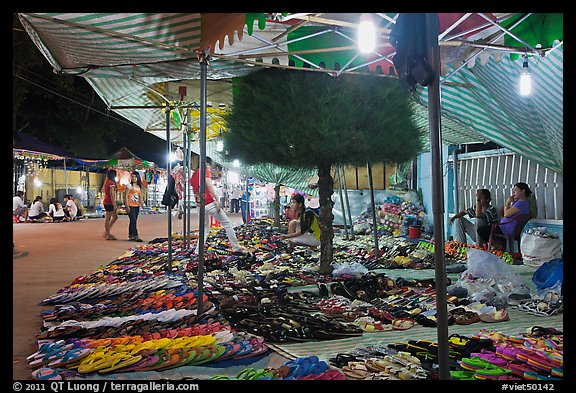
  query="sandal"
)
[{"x": 402, "y": 323}]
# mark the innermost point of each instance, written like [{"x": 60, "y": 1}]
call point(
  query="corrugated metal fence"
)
[{"x": 498, "y": 172}]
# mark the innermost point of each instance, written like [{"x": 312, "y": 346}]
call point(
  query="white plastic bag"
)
[
  {"x": 348, "y": 268},
  {"x": 539, "y": 246},
  {"x": 484, "y": 264}
]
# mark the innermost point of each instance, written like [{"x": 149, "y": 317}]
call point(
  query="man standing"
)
[
  {"x": 212, "y": 206},
  {"x": 235, "y": 195}
]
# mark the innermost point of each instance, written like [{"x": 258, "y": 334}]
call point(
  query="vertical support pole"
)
[
  {"x": 347, "y": 202},
  {"x": 373, "y": 204},
  {"x": 342, "y": 201},
  {"x": 169, "y": 169},
  {"x": 189, "y": 174},
  {"x": 185, "y": 198},
  {"x": 433, "y": 56},
  {"x": 203, "y": 57},
  {"x": 66, "y": 177}
]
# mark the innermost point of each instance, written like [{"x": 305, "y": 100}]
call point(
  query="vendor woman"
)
[{"x": 305, "y": 230}]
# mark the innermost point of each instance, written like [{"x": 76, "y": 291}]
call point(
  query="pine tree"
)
[{"x": 313, "y": 120}]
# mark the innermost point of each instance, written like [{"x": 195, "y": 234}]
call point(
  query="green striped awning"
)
[
  {"x": 290, "y": 177},
  {"x": 492, "y": 108}
]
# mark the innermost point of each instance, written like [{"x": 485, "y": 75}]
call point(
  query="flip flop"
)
[
  {"x": 49, "y": 357},
  {"x": 47, "y": 348},
  {"x": 121, "y": 361},
  {"x": 255, "y": 352},
  {"x": 46, "y": 374},
  {"x": 146, "y": 360},
  {"x": 71, "y": 356},
  {"x": 231, "y": 350}
]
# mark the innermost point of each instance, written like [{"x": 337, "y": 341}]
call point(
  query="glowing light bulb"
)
[
  {"x": 525, "y": 80},
  {"x": 366, "y": 34}
]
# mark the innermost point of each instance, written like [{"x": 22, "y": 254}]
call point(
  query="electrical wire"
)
[{"x": 72, "y": 100}]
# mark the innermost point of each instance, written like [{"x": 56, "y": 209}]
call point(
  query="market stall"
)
[{"x": 134, "y": 319}]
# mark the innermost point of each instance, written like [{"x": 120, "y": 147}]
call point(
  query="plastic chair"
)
[{"x": 521, "y": 220}]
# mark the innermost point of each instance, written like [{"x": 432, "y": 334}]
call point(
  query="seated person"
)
[
  {"x": 483, "y": 213},
  {"x": 19, "y": 208},
  {"x": 70, "y": 208},
  {"x": 304, "y": 231},
  {"x": 37, "y": 211},
  {"x": 515, "y": 205},
  {"x": 79, "y": 207},
  {"x": 56, "y": 211}
]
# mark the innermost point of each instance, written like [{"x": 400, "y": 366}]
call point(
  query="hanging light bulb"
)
[
  {"x": 366, "y": 34},
  {"x": 525, "y": 79}
]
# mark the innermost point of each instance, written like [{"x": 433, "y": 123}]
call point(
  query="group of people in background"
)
[
  {"x": 477, "y": 222},
  {"x": 133, "y": 201},
  {"x": 71, "y": 210}
]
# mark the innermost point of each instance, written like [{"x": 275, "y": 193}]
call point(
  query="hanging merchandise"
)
[
  {"x": 179, "y": 154},
  {"x": 170, "y": 197}
]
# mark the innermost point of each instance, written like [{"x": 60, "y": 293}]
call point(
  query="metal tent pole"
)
[
  {"x": 433, "y": 56},
  {"x": 203, "y": 58},
  {"x": 374, "y": 221},
  {"x": 169, "y": 169},
  {"x": 347, "y": 203},
  {"x": 66, "y": 177},
  {"x": 189, "y": 175},
  {"x": 184, "y": 192},
  {"x": 342, "y": 201}
]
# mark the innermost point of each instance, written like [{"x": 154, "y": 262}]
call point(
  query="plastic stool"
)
[{"x": 214, "y": 223}]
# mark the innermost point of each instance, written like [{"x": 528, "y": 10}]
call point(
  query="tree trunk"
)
[
  {"x": 325, "y": 190},
  {"x": 277, "y": 205}
]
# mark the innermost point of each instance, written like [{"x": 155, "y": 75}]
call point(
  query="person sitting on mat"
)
[
  {"x": 37, "y": 211},
  {"x": 305, "y": 230}
]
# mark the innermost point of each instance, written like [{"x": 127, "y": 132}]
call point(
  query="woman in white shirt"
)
[
  {"x": 55, "y": 210},
  {"x": 37, "y": 211},
  {"x": 70, "y": 207},
  {"x": 18, "y": 206}
]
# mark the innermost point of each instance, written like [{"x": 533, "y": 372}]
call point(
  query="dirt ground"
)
[{"x": 49, "y": 256}]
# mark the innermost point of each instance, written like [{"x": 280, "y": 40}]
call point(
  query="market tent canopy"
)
[
  {"x": 125, "y": 159},
  {"x": 298, "y": 179},
  {"x": 30, "y": 146},
  {"x": 135, "y": 61}
]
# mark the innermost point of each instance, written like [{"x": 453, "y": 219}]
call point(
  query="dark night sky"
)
[{"x": 143, "y": 144}]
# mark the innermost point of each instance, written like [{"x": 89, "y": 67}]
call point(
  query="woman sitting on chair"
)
[{"x": 515, "y": 205}]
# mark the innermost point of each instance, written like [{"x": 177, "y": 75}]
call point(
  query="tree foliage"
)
[{"x": 304, "y": 119}]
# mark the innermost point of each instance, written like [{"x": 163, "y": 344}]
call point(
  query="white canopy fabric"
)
[{"x": 136, "y": 62}]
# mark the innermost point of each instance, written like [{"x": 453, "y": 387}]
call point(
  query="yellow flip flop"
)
[
  {"x": 120, "y": 361},
  {"x": 95, "y": 363}
]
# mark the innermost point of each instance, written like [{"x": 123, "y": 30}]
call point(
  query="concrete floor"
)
[{"x": 49, "y": 256}]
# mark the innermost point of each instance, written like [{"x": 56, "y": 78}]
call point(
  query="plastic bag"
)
[
  {"x": 539, "y": 246},
  {"x": 346, "y": 268},
  {"x": 549, "y": 274},
  {"x": 487, "y": 265}
]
